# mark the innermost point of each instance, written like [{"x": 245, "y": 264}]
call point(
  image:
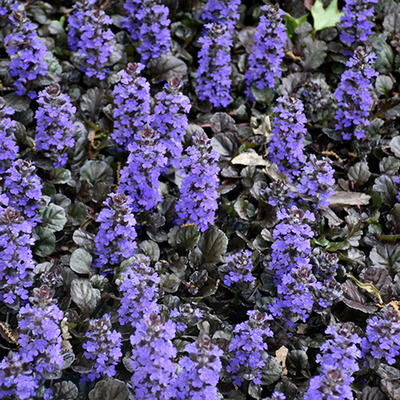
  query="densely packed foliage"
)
[{"x": 200, "y": 200}]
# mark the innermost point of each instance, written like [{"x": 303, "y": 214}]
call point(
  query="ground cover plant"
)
[{"x": 200, "y": 199}]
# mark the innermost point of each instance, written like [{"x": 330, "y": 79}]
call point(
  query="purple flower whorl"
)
[
  {"x": 198, "y": 199},
  {"x": 382, "y": 339},
  {"x": 40, "y": 354},
  {"x": 248, "y": 348},
  {"x": 115, "y": 240},
  {"x": 268, "y": 49},
  {"x": 213, "y": 73},
  {"x": 286, "y": 147},
  {"x": 139, "y": 293},
  {"x": 239, "y": 267},
  {"x": 354, "y": 95},
  {"x": 55, "y": 129},
  {"x": 223, "y": 12},
  {"x": 24, "y": 189},
  {"x": 88, "y": 34},
  {"x": 132, "y": 104},
  {"x": 170, "y": 119},
  {"x": 103, "y": 347},
  {"x": 198, "y": 375},
  {"x": 147, "y": 21},
  {"x": 27, "y": 53},
  {"x": 151, "y": 360},
  {"x": 8, "y": 147},
  {"x": 339, "y": 360},
  {"x": 16, "y": 260},
  {"x": 356, "y": 21},
  {"x": 140, "y": 176}
]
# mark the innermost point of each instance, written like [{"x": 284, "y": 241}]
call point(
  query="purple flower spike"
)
[
  {"x": 354, "y": 95},
  {"x": 198, "y": 200},
  {"x": 198, "y": 375},
  {"x": 170, "y": 119},
  {"x": 248, "y": 348},
  {"x": 140, "y": 176},
  {"x": 55, "y": 129},
  {"x": 103, "y": 347},
  {"x": 88, "y": 34},
  {"x": 356, "y": 21},
  {"x": 132, "y": 105},
  {"x": 115, "y": 240},
  {"x": 213, "y": 73},
  {"x": 27, "y": 52},
  {"x": 268, "y": 50},
  {"x": 8, "y": 147},
  {"x": 382, "y": 339},
  {"x": 151, "y": 360},
  {"x": 286, "y": 147}
]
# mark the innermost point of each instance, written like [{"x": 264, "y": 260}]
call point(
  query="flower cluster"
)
[
  {"x": 55, "y": 129},
  {"x": 151, "y": 359},
  {"x": 213, "y": 73},
  {"x": 198, "y": 371},
  {"x": 16, "y": 261},
  {"x": 286, "y": 147},
  {"x": 23, "y": 188},
  {"x": 293, "y": 272},
  {"x": 103, "y": 347},
  {"x": 27, "y": 53},
  {"x": 135, "y": 10},
  {"x": 223, "y": 12},
  {"x": 155, "y": 37},
  {"x": 132, "y": 104},
  {"x": 115, "y": 240},
  {"x": 186, "y": 315},
  {"x": 354, "y": 95},
  {"x": 317, "y": 181},
  {"x": 148, "y": 22},
  {"x": 356, "y": 21},
  {"x": 88, "y": 34},
  {"x": 338, "y": 362},
  {"x": 7, "y": 6},
  {"x": 40, "y": 354},
  {"x": 8, "y": 147},
  {"x": 170, "y": 119},
  {"x": 139, "y": 293},
  {"x": 249, "y": 349},
  {"x": 239, "y": 267},
  {"x": 198, "y": 199},
  {"x": 268, "y": 49},
  {"x": 276, "y": 396},
  {"x": 382, "y": 335},
  {"x": 140, "y": 177}
]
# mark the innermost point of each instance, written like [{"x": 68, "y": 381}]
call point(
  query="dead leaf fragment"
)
[
  {"x": 281, "y": 355},
  {"x": 349, "y": 199}
]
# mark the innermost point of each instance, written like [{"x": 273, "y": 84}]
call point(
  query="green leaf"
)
[
  {"x": 383, "y": 85},
  {"x": 97, "y": 171},
  {"x": 53, "y": 218},
  {"x": 187, "y": 237},
  {"x": 77, "y": 213},
  {"x": 213, "y": 244},
  {"x": 45, "y": 241},
  {"x": 80, "y": 261},
  {"x": 325, "y": 17},
  {"x": 151, "y": 249},
  {"x": 359, "y": 173},
  {"x": 110, "y": 389},
  {"x": 84, "y": 295},
  {"x": 387, "y": 255},
  {"x": 292, "y": 23},
  {"x": 60, "y": 176}
]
